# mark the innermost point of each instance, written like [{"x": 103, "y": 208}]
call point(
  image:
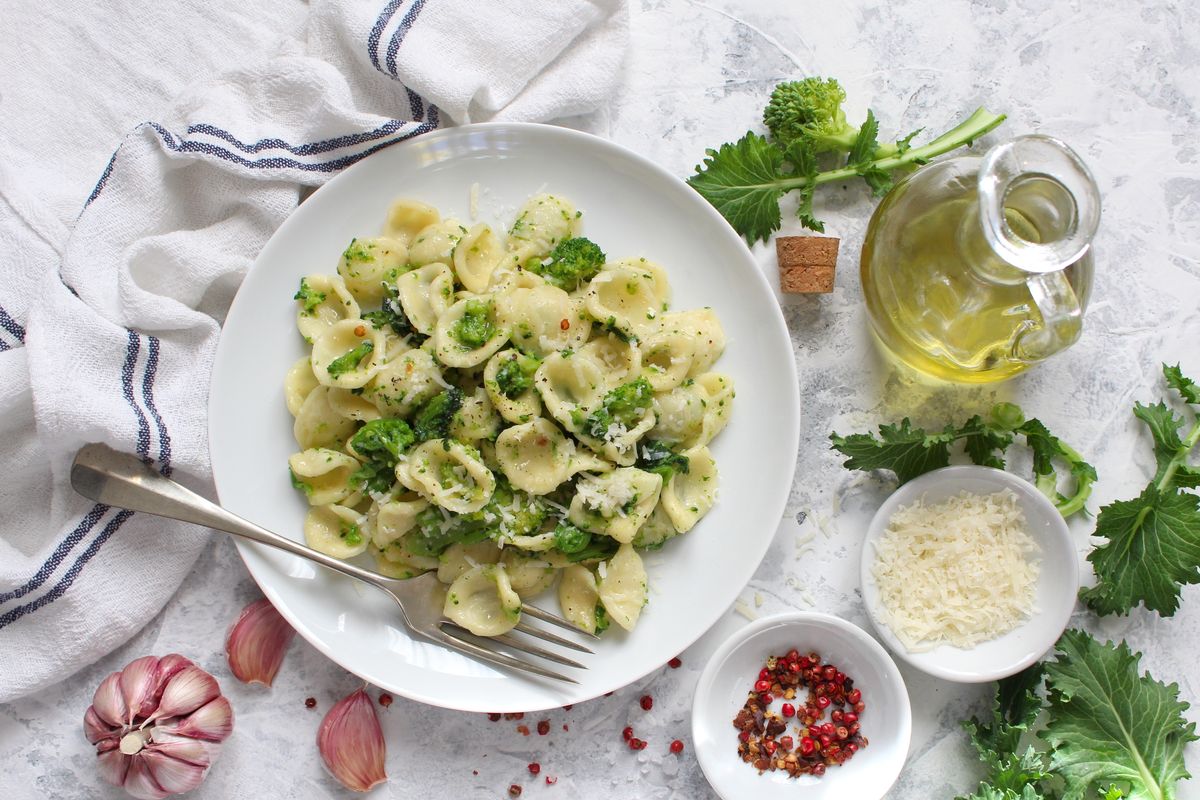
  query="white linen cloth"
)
[{"x": 108, "y": 327}]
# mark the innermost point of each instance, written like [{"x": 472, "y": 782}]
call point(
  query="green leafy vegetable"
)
[
  {"x": 746, "y": 179},
  {"x": 350, "y": 361},
  {"x": 570, "y": 539},
  {"x": 1109, "y": 732},
  {"x": 436, "y": 530},
  {"x": 433, "y": 420},
  {"x": 392, "y": 315},
  {"x": 1108, "y": 724},
  {"x": 909, "y": 451},
  {"x": 309, "y": 298},
  {"x": 623, "y": 406},
  {"x": 657, "y": 456},
  {"x": 572, "y": 262},
  {"x": 381, "y": 442},
  {"x": 350, "y": 533},
  {"x": 515, "y": 376},
  {"x": 1153, "y": 541},
  {"x": 475, "y": 327},
  {"x": 299, "y": 484}
]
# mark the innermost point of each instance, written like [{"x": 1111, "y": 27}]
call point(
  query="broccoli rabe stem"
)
[
  {"x": 1189, "y": 443},
  {"x": 975, "y": 126}
]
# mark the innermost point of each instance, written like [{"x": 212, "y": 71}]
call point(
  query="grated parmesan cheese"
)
[{"x": 956, "y": 572}]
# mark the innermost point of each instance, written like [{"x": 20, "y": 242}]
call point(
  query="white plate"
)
[
  {"x": 731, "y": 673},
  {"x": 630, "y": 207},
  {"x": 1057, "y": 586}
]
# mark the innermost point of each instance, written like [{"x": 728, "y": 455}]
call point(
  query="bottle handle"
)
[{"x": 1062, "y": 318}]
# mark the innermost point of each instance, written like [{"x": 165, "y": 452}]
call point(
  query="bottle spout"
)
[{"x": 1040, "y": 209}]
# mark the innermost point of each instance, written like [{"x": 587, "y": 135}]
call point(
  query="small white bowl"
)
[
  {"x": 730, "y": 674},
  {"x": 1057, "y": 584}
]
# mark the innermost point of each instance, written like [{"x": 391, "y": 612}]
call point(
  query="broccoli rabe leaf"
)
[
  {"x": 909, "y": 451},
  {"x": 433, "y": 420},
  {"x": 804, "y": 165},
  {"x": 1108, "y": 724},
  {"x": 350, "y": 361},
  {"x": 742, "y": 181},
  {"x": 391, "y": 314},
  {"x": 515, "y": 375},
  {"x": 657, "y": 456},
  {"x": 623, "y": 406},
  {"x": 309, "y": 298},
  {"x": 1011, "y": 772},
  {"x": 1152, "y": 545},
  {"x": 573, "y": 261},
  {"x": 381, "y": 442}
]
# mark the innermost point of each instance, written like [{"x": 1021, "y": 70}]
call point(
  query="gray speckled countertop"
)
[{"x": 1118, "y": 81}]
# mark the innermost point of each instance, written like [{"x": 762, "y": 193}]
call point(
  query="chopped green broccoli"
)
[
  {"x": 572, "y": 261},
  {"x": 309, "y": 298},
  {"x": 623, "y": 406},
  {"x": 657, "y": 456},
  {"x": 358, "y": 251},
  {"x": 570, "y": 539},
  {"x": 598, "y": 549},
  {"x": 515, "y": 375},
  {"x": 475, "y": 327},
  {"x": 350, "y": 361},
  {"x": 810, "y": 110},
  {"x": 381, "y": 443},
  {"x": 299, "y": 484},
  {"x": 601, "y": 618},
  {"x": 432, "y": 420},
  {"x": 436, "y": 531},
  {"x": 350, "y": 533},
  {"x": 392, "y": 314}
]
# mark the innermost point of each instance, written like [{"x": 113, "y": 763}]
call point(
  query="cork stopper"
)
[{"x": 807, "y": 264}]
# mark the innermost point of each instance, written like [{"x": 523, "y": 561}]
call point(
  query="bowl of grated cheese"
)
[{"x": 969, "y": 573}]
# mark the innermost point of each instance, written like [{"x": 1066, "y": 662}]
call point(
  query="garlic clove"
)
[
  {"x": 140, "y": 782},
  {"x": 168, "y": 667},
  {"x": 351, "y": 743},
  {"x": 139, "y": 681},
  {"x": 113, "y": 765},
  {"x": 186, "y": 691},
  {"x": 108, "y": 702},
  {"x": 172, "y": 775},
  {"x": 183, "y": 748},
  {"x": 96, "y": 729},
  {"x": 257, "y": 643},
  {"x": 212, "y": 722}
]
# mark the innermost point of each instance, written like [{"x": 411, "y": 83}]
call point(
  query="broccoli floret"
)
[
  {"x": 392, "y": 314},
  {"x": 380, "y": 442},
  {"x": 601, "y": 619},
  {"x": 570, "y": 539},
  {"x": 475, "y": 327},
  {"x": 810, "y": 110},
  {"x": 657, "y": 456},
  {"x": 308, "y": 297},
  {"x": 300, "y": 485},
  {"x": 350, "y": 361},
  {"x": 624, "y": 405},
  {"x": 432, "y": 420},
  {"x": 350, "y": 533},
  {"x": 515, "y": 375},
  {"x": 573, "y": 261},
  {"x": 436, "y": 532}
]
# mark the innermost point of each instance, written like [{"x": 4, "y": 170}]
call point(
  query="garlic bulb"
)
[{"x": 157, "y": 725}]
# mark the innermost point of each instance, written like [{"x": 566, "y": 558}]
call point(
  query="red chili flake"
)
[
  {"x": 543, "y": 727},
  {"x": 608, "y": 694},
  {"x": 551, "y": 781},
  {"x": 523, "y": 730},
  {"x": 564, "y": 325},
  {"x": 647, "y": 702},
  {"x": 788, "y": 710},
  {"x": 385, "y": 699},
  {"x": 674, "y": 663},
  {"x": 627, "y": 734},
  {"x": 514, "y": 791},
  {"x": 636, "y": 744},
  {"x": 494, "y": 717},
  {"x": 474, "y": 772},
  {"x": 310, "y": 702},
  {"x": 535, "y": 768},
  {"x": 566, "y": 727},
  {"x": 568, "y": 707},
  {"x": 676, "y": 747}
]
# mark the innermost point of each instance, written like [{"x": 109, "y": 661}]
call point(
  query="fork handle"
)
[{"x": 123, "y": 480}]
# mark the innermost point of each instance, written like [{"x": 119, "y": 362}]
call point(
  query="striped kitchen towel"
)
[{"x": 108, "y": 327}]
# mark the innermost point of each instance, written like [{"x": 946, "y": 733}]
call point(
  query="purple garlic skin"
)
[{"x": 157, "y": 726}]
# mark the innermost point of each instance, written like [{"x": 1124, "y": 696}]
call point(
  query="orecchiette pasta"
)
[{"x": 510, "y": 410}]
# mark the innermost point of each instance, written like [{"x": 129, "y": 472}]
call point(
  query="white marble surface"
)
[{"x": 1119, "y": 81}]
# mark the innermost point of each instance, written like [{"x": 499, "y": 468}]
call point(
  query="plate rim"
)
[{"x": 250, "y": 552}]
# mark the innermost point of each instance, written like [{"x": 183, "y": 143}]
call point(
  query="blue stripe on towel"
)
[
  {"x": 11, "y": 325},
  {"x": 56, "y": 558},
  {"x": 398, "y": 35},
  {"x": 164, "y": 438},
  {"x": 143, "y": 433},
  {"x": 72, "y": 573},
  {"x": 377, "y": 31},
  {"x": 315, "y": 148}
]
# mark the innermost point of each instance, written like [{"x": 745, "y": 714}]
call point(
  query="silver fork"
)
[{"x": 119, "y": 479}]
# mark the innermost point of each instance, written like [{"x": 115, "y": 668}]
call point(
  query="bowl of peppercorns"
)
[{"x": 801, "y": 702}]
